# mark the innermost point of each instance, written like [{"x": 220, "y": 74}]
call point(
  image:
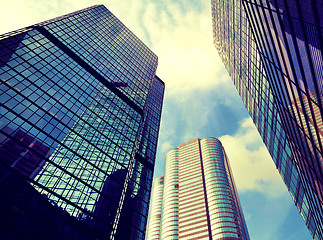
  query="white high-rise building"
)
[{"x": 197, "y": 197}]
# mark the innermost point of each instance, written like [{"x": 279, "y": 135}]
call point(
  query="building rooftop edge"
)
[
  {"x": 160, "y": 79},
  {"x": 194, "y": 140}
]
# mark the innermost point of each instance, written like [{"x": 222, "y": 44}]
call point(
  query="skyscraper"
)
[
  {"x": 155, "y": 209},
  {"x": 197, "y": 197},
  {"x": 273, "y": 53},
  {"x": 84, "y": 88}
]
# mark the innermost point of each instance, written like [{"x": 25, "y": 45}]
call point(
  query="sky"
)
[{"x": 200, "y": 99}]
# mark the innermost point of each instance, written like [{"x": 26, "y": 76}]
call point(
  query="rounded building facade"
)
[
  {"x": 169, "y": 222},
  {"x": 200, "y": 200},
  {"x": 153, "y": 229},
  {"x": 226, "y": 218}
]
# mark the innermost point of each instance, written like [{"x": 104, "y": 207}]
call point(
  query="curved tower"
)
[
  {"x": 169, "y": 223},
  {"x": 200, "y": 200},
  {"x": 153, "y": 229}
]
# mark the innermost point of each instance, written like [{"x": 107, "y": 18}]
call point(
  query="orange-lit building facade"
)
[{"x": 199, "y": 197}]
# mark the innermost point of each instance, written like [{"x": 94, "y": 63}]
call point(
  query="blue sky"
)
[{"x": 200, "y": 99}]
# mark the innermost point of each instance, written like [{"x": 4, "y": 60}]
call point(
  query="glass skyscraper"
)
[
  {"x": 197, "y": 197},
  {"x": 272, "y": 50},
  {"x": 80, "y": 113}
]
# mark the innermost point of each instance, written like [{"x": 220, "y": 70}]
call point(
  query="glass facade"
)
[
  {"x": 200, "y": 200},
  {"x": 273, "y": 53},
  {"x": 81, "y": 101}
]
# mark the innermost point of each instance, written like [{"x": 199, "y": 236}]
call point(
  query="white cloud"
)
[
  {"x": 183, "y": 42},
  {"x": 166, "y": 146},
  {"x": 252, "y": 166},
  {"x": 17, "y": 14}
]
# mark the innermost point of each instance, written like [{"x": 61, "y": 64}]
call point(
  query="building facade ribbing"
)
[
  {"x": 199, "y": 197},
  {"x": 84, "y": 88},
  {"x": 273, "y": 53},
  {"x": 155, "y": 209}
]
